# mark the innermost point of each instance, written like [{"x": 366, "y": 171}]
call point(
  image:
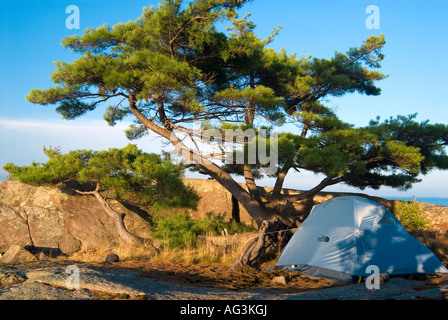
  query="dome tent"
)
[{"x": 342, "y": 237}]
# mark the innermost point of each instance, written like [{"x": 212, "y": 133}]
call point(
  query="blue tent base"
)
[
  {"x": 320, "y": 273},
  {"x": 339, "y": 276}
]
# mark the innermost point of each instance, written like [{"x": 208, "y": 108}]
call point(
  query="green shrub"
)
[
  {"x": 214, "y": 225},
  {"x": 409, "y": 214},
  {"x": 181, "y": 231}
]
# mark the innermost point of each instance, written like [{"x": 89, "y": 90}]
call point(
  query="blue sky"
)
[{"x": 417, "y": 45}]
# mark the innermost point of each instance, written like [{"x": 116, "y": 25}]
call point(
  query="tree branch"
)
[{"x": 322, "y": 185}]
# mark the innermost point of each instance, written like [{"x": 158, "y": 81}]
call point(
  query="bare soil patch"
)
[{"x": 214, "y": 275}]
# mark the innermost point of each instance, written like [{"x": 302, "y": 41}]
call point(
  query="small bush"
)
[
  {"x": 214, "y": 224},
  {"x": 410, "y": 216},
  {"x": 181, "y": 231}
]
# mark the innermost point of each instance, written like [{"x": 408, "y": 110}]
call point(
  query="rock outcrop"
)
[
  {"x": 47, "y": 217},
  {"x": 16, "y": 254},
  {"x": 52, "y": 220}
]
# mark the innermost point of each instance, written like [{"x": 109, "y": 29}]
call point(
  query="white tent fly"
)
[{"x": 341, "y": 238}]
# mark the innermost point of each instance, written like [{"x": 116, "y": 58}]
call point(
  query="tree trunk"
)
[
  {"x": 250, "y": 182},
  {"x": 272, "y": 237},
  {"x": 123, "y": 232},
  {"x": 276, "y": 193},
  {"x": 235, "y": 210},
  {"x": 258, "y": 212}
]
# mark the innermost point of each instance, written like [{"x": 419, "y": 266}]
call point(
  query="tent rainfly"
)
[{"x": 342, "y": 237}]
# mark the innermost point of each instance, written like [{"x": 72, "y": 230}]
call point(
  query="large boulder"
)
[
  {"x": 49, "y": 217},
  {"x": 16, "y": 254}
]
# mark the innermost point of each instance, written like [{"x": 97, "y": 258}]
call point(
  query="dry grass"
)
[
  {"x": 99, "y": 255},
  {"x": 436, "y": 241},
  {"x": 439, "y": 244},
  {"x": 222, "y": 250}
]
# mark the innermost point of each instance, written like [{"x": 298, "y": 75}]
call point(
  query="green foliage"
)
[
  {"x": 410, "y": 215},
  {"x": 59, "y": 168},
  {"x": 126, "y": 173},
  {"x": 429, "y": 139},
  {"x": 181, "y": 231},
  {"x": 177, "y": 231}
]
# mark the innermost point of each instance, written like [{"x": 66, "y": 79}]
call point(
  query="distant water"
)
[{"x": 437, "y": 201}]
